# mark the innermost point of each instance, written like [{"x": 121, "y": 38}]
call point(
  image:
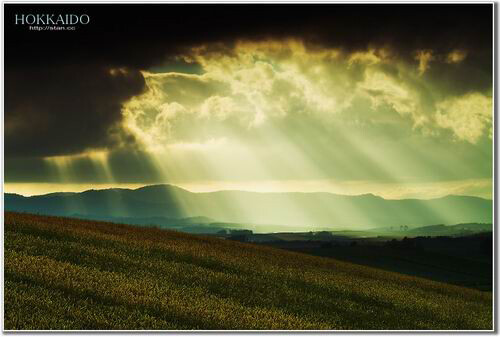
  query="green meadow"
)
[{"x": 63, "y": 273}]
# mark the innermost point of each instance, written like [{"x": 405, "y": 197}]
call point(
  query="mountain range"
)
[{"x": 285, "y": 210}]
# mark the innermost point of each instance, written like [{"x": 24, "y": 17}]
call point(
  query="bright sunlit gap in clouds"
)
[
  {"x": 280, "y": 116},
  {"x": 276, "y": 111}
]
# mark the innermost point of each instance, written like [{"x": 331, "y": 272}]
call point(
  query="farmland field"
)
[{"x": 63, "y": 273}]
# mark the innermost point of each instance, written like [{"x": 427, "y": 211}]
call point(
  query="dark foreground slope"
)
[{"x": 64, "y": 273}]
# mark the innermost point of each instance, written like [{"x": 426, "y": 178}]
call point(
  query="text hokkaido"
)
[{"x": 52, "y": 19}]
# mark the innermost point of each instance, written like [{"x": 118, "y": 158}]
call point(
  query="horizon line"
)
[{"x": 238, "y": 190}]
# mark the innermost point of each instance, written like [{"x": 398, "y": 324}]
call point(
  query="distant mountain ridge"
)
[{"x": 307, "y": 210}]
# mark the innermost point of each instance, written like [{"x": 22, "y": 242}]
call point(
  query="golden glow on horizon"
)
[
  {"x": 30, "y": 189},
  {"x": 482, "y": 187}
]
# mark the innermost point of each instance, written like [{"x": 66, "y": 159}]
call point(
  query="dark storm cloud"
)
[
  {"x": 475, "y": 72},
  {"x": 62, "y": 110},
  {"x": 127, "y": 167},
  {"x": 141, "y": 36},
  {"x": 60, "y": 97}
]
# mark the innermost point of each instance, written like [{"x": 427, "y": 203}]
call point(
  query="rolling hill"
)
[
  {"x": 64, "y": 273},
  {"x": 301, "y": 210}
]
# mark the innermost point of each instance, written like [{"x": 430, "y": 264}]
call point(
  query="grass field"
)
[
  {"x": 65, "y": 273},
  {"x": 463, "y": 268}
]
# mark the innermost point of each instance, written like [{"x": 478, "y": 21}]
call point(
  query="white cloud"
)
[
  {"x": 254, "y": 84},
  {"x": 468, "y": 116},
  {"x": 371, "y": 56},
  {"x": 456, "y": 56},
  {"x": 218, "y": 107},
  {"x": 383, "y": 88},
  {"x": 424, "y": 58}
]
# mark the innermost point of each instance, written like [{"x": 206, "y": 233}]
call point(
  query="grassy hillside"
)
[{"x": 72, "y": 274}]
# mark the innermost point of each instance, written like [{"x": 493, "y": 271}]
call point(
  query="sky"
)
[{"x": 393, "y": 100}]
